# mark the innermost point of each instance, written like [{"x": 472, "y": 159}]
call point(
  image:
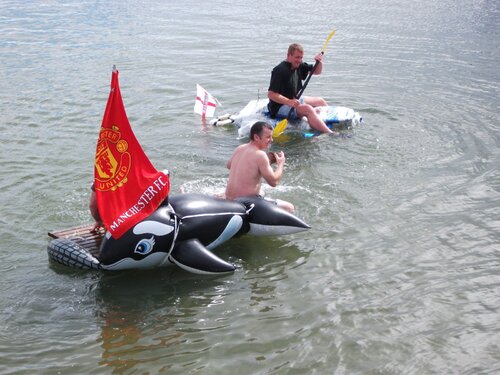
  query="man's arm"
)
[
  {"x": 272, "y": 177},
  {"x": 94, "y": 211},
  {"x": 319, "y": 68},
  {"x": 278, "y": 98}
]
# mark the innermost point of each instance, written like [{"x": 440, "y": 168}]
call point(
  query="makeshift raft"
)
[
  {"x": 183, "y": 232},
  {"x": 76, "y": 247},
  {"x": 256, "y": 110}
]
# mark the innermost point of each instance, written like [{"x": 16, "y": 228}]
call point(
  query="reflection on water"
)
[
  {"x": 165, "y": 315},
  {"x": 140, "y": 316}
]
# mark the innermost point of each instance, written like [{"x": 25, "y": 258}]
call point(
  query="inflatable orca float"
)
[
  {"x": 256, "y": 110},
  {"x": 181, "y": 231}
]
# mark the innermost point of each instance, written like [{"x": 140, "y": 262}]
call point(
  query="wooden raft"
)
[{"x": 83, "y": 236}]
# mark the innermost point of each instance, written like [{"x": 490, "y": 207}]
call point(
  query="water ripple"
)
[{"x": 398, "y": 273}]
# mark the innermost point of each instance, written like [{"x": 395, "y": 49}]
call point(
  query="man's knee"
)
[
  {"x": 305, "y": 110},
  {"x": 287, "y": 206}
]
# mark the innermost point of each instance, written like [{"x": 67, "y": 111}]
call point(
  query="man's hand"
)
[
  {"x": 319, "y": 57},
  {"x": 97, "y": 227},
  {"x": 293, "y": 102},
  {"x": 280, "y": 157},
  {"x": 272, "y": 157}
]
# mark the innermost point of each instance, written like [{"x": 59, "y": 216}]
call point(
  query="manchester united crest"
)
[{"x": 112, "y": 161}]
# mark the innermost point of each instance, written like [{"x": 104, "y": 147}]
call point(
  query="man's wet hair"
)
[{"x": 258, "y": 127}]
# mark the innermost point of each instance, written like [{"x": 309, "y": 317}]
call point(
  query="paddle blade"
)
[
  {"x": 280, "y": 127},
  {"x": 327, "y": 40}
]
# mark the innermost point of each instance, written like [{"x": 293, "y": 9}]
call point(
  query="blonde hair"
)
[{"x": 295, "y": 47}]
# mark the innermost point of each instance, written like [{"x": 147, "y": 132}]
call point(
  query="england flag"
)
[{"x": 205, "y": 103}]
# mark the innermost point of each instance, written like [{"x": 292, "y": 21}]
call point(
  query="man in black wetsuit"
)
[{"x": 286, "y": 82}]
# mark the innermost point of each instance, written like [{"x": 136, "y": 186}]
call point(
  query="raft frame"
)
[{"x": 83, "y": 236}]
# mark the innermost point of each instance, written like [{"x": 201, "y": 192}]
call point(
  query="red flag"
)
[{"x": 128, "y": 188}]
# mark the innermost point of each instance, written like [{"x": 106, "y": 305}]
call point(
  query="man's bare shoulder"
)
[{"x": 248, "y": 148}]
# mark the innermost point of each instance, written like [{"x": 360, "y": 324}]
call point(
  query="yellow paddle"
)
[{"x": 281, "y": 126}]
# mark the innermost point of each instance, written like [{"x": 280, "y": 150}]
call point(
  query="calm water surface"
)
[{"x": 400, "y": 273}]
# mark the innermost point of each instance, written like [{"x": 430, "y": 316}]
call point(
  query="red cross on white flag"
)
[{"x": 205, "y": 103}]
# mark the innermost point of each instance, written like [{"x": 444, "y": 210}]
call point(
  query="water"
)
[{"x": 400, "y": 271}]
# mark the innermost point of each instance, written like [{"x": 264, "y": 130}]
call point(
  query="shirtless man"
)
[{"x": 250, "y": 163}]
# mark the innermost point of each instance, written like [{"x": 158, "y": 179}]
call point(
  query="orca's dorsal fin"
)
[{"x": 192, "y": 256}]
